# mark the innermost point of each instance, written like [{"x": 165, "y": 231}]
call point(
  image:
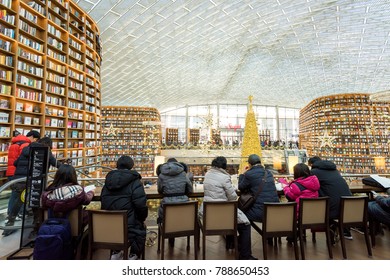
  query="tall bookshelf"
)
[
  {"x": 131, "y": 131},
  {"x": 348, "y": 129},
  {"x": 172, "y": 136},
  {"x": 50, "y": 56}
]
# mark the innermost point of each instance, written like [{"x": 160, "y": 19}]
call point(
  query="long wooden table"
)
[{"x": 152, "y": 193}]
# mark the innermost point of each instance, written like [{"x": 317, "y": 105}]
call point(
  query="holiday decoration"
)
[{"x": 251, "y": 140}]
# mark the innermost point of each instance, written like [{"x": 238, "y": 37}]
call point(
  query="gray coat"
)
[
  {"x": 218, "y": 187},
  {"x": 173, "y": 184}
]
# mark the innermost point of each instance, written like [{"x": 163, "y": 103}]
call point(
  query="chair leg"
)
[
  {"x": 188, "y": 243},
  {"x": 301, "y": 243},
  {"x": 162, "y": 247},
  {"x": 342, "y": 241},
  {"x": 236, "y": 246},
  {"x": 313, "y": 236},
  {"x": 204, "y": 246},
  {"x": 159, "y": 239},
  {"x": 264, "y": 247},
  {"x": 296, "y": 251},
  {"x": 196, "y": 242},
  {"x": 367, "y": 238},
  {"x": 372, "y": 225},
  {"x": 329, "y": 242}
]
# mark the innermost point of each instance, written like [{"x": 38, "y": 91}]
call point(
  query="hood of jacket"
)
[
  {"x": 171, "y": 168},
  {"x": 310, "y": 182},
  {"x": 120, "y": 178},
  {"x": 20, "y": 138},
  {"x": 324, "y": 164}
]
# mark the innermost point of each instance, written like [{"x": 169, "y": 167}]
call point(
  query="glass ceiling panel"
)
[{"x": 168, "y": 54}]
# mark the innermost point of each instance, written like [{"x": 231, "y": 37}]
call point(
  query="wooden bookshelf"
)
[
  {"x": 193, "y": 136},
  {"x": 50, "y": 77},
  {"x": 132, "y": 131},
  {"x": 359, "y": 128},
  {"x": 172, "y": 136}
]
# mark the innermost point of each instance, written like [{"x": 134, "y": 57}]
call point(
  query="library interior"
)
[{"x": 191, "y": 84}]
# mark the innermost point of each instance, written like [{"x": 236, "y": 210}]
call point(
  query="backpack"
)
[{"x": 54, "y": 240}]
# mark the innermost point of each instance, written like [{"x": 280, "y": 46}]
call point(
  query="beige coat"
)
[{"x": 218, "y": 187}]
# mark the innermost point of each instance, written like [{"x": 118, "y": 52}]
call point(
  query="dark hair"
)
[
  {"x": 301, "y": 170},
  {"x": 125, "y": 162},
  {"x": 66, "y": 174},
  {"x": 34, "y": 134},
  {"x": 219, "y": 162},
  {"x": 254, "y": 159},
  {"x": 46, "y": 141},
  {"x": 172, "y": 160},
  {"x": 313, "y": 160}
]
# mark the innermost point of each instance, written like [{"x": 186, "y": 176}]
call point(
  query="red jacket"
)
[{"x": 14, "y": 151}]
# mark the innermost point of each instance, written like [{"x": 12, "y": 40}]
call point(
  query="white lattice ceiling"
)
[{"x": 170, "y": 53}]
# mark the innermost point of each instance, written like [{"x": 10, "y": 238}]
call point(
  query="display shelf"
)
[
  {"x": 132, "y": 131},
  {"x": 347, "y": 128},
  {"x": 43, "y": 76},
  {"x": 193, "y": 136}
]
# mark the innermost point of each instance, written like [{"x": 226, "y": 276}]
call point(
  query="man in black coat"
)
[
  {"x": 250, "y": 181},
  {"x": 123, "y": 190},
  {"x": 332, "y": 184}
]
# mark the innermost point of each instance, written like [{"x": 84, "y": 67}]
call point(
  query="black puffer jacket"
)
[
  {"x": 21, "y": 162},
  {"x": 332, "y": 184},
  {"x": 123, "y": 190},
  {"x": 250, "y": 180}
]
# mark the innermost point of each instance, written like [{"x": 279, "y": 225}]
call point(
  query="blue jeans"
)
[{"x": 376, "y": 212}]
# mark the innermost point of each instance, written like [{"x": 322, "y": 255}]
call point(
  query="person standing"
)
[
  {"x": 218, "y": 187},
  {"x": 332, "y": 184},
  {"x": 21, "y": 171},
  {"x": 123, "y": 190},
  {"x": 18, "y": 143}
]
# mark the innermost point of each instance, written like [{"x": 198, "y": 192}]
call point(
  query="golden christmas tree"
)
[{"x": 251, "y": 140}]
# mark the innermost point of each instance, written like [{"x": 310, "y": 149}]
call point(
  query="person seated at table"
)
[
  {"x": 174, "y": 184},
  {"x": 65, "y": 194},
  {"x": 332, "y": 184},
  {"x": 304, "y": 185},
  {"x": 250, "y": 180},
  {"x": 218, "y": 187},
  {"x": 379, "y": 209},
  {"x": 123, "y": 190}
]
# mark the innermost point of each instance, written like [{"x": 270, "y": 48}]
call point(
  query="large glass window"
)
[{"x": 277, "y": 122}]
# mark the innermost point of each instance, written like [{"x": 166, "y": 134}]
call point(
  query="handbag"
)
[{"x": 247, "y": 199}]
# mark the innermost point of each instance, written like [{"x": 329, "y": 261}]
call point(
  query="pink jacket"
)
[{"x": 302, "y": 188}]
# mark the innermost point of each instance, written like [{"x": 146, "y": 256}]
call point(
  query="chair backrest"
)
[
  {"x": 108, "y": 226},
  {"x": 313, "y": 211},
  {"x": 180, "y": 217},
  {"x": 353, "y": 209},
  {"x": 220, "y": 215},
  {"x": 75, "y": 218},
  {"x": 279, "y": 217}
]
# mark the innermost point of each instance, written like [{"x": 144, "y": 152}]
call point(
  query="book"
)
[
  {"x": 54, "y": 122},
  {"x": 28, "y": 107},
  {"x": 19, "y": 106},
  {"x": 4, "y": 117},
  {"x": 36, "y": 121},
  {"x": 89, "y": 188},
  {"x": 18, "y": 119},
  {"x": 5, "y": 131},
  {"x": 20, "y": 130},
  {"x": 4, "y": 103},
  {"x": 27, "y": 120}
]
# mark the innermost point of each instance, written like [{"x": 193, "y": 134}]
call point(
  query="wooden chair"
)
[
  {"x": 279, "y": 219},
  {"x": 108, "y": 230},
  {"x": 79, "y": 231},
  {"x": 353, "y": 213},
  {"x": 219, "y": 218},
  {"x": 314, "y": 215},
  {"x": 180, "y": 219}
]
